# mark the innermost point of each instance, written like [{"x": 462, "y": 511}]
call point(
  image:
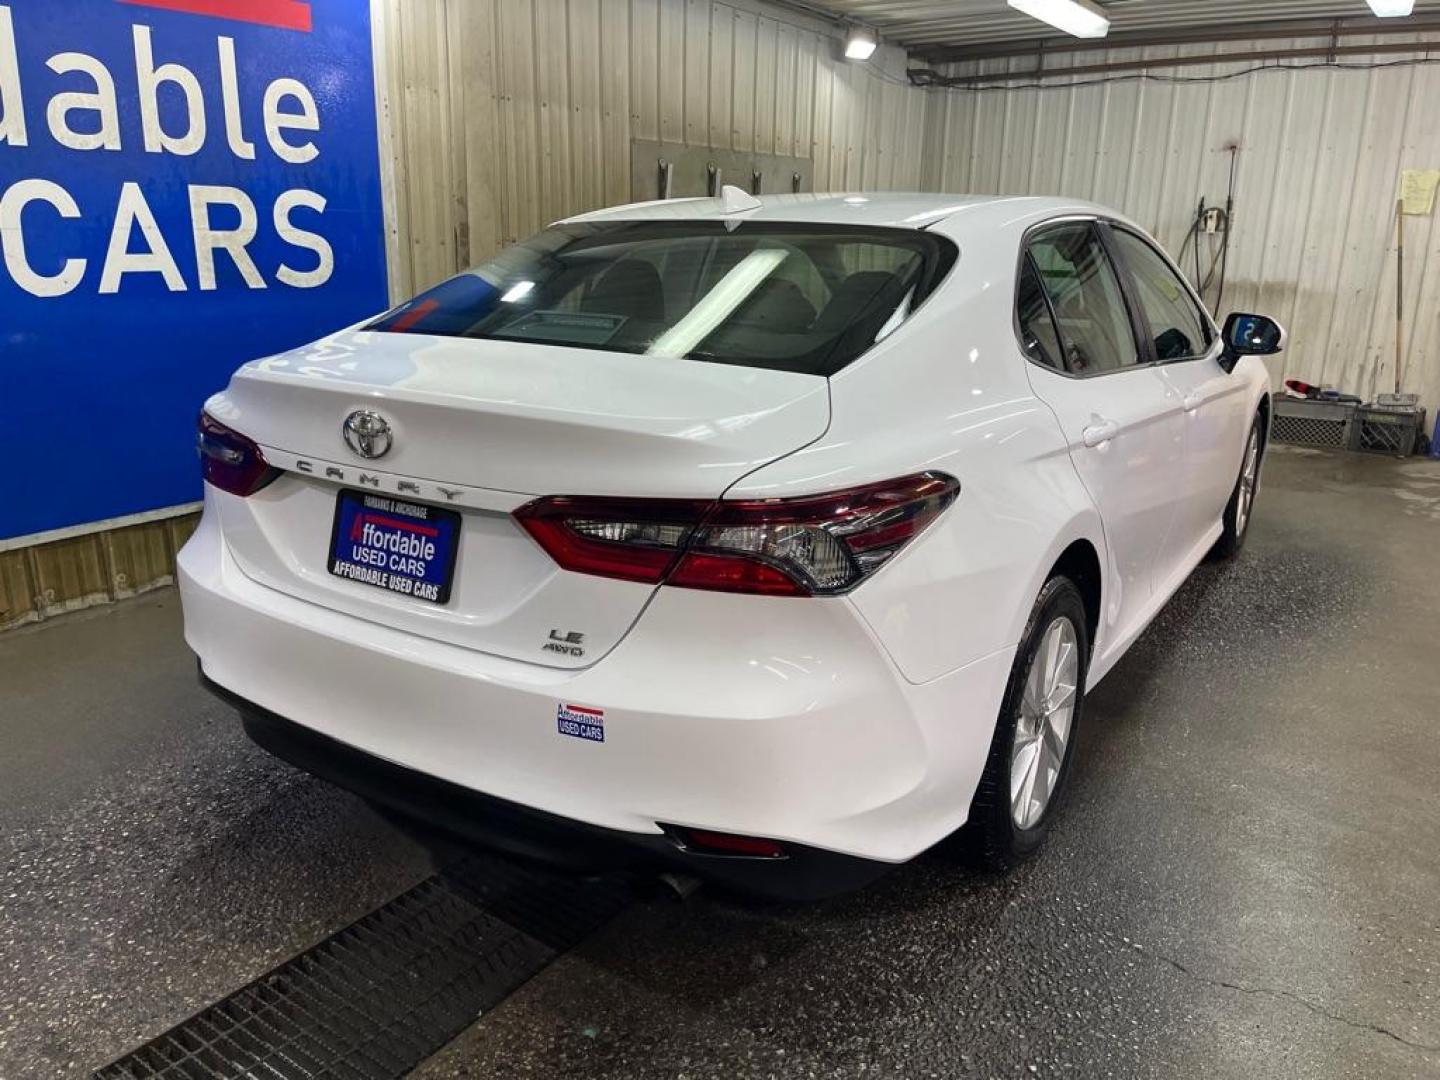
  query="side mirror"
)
[{"x": 1251, "y": 335}]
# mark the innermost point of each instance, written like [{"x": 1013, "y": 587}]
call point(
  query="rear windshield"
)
[{"x": 788, "y": 297}]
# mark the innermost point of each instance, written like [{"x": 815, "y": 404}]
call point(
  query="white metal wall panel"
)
[
  {"x": 1321, "y": 154},
  {"x": 503, "y": 115}
]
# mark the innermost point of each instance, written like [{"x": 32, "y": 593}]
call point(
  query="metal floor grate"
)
[{"x": 374, "y": 1000}]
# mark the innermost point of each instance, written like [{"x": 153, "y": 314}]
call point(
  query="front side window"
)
[
  {"x": 1084, "y": 292},
  {"x": 1179, "y": 331},
  {"x": 788, "y": 297}
]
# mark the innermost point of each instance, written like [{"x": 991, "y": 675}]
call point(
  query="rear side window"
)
[
  {"x": 1175, "y": 323},
  {"x": 1084, "y": 293},
  {"x": 1037, "y": 328},
  {"x": 788, "y": 297}
]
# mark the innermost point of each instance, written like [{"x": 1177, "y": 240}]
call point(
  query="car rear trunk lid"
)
[{"x": 480, "y": 427}]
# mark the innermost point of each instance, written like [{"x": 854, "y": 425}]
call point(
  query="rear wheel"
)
[
  {"x": 1030, "y": 754},
  {"x": 1241, "y": 506}
]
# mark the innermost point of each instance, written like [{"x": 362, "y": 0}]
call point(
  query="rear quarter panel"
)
[{"x": 948, "y": 391}]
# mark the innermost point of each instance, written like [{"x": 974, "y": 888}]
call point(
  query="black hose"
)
[
  {"x": 1199, "y": 215},
  {"x": 1193, "y": 237},
  {"x": 1229, "y": 228}
]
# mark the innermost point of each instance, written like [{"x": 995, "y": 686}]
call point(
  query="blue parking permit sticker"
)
[{"x": 580, "y": 723}]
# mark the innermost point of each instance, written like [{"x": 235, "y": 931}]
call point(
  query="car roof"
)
[{"x": 914, "y": 210}]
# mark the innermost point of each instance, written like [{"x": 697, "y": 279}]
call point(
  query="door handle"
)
[
  {"x": 1193, "y": 402},
  {"x": 1100, "y": 432}
]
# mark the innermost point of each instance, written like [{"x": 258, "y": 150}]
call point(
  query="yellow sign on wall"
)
[{"x": 1417, "y": 190}]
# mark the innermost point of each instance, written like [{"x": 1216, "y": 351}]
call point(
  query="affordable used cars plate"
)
[{"x": 404, "y": 547}]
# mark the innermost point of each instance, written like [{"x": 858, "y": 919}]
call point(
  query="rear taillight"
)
[
  {"x": 816, "y": 545},
  {"x": 633, "y": 539},
  {"x": 229, "y": 460}
]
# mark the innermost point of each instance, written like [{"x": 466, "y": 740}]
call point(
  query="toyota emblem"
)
[{"x": 367, "y": 433}]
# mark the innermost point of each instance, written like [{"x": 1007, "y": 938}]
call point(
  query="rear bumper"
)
[
  {"x": 756, "y": 716},
  {"x": 476, "y": 818}
]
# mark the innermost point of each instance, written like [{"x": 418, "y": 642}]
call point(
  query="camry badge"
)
[{"x": 367, "y": 433}]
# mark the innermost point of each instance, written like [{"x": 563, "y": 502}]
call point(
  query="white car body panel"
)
[
  {"x": 718, "y": 713},
  {"x": 508, "y": 416},
  {"x": 856, "y": 724},
  {"x": 485, "y": 426},
  {"x": 1131, "y": 475},
  {"x": 1217, "y": 407}
]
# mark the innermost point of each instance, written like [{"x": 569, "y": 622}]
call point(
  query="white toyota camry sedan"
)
[{"x": 773, "y": 540}]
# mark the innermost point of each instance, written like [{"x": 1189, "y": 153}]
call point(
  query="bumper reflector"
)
[{"x": 704, "y": 842}]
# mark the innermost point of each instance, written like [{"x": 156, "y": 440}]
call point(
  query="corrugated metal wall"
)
[
  {"x": 1318, "y": 172},
  {"x": 504, "y": 115}
]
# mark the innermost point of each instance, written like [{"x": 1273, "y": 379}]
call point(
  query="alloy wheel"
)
[
  {"x": 1249, "y": 473},
  {"x": 1042, "y": 730}
]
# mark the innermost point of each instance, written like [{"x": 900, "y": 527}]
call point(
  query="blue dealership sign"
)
[{"x": 185, "y": 185}]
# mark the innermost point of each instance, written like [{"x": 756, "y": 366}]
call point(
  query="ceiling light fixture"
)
[
  {"x": 860, "y": 43},
  {"x": 1390, "y": 9},
  {"x": 1081, "y": 18}
]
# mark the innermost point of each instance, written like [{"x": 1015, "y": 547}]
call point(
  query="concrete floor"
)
[{"x": 1246, "y": 880}]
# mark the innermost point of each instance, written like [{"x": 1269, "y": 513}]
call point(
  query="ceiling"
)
[{"x": 927, "y": 25}]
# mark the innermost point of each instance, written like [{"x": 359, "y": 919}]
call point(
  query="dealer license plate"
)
[{"x": 404, "y": 547}]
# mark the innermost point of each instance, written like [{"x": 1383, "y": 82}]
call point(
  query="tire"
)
[
  {"x": 1240, "y": 510},
  {"x": 1009, "y": 826}
]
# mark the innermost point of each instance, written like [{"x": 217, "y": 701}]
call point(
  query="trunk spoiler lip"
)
[{"x": 721, "y": 393}]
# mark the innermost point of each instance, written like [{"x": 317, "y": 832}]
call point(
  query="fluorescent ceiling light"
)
[
  {"x": 518, "y": 291},
  {"x": 1389, "y": 9},
  {"x": 860, "y": 43},
  {"x": 1081, "y": 18}
]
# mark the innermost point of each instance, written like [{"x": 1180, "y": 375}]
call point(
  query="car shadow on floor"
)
[{"x": 1231, "y": 621}]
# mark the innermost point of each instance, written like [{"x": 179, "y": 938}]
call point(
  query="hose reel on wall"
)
[{"x": 1215, "y": 225}]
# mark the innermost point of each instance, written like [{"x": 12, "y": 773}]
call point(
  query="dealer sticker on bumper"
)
[{"x": 580, "y": 723}]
